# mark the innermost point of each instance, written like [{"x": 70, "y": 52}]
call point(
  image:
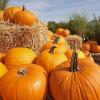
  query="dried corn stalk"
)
[
  {"x": 74, "y": 41},
  {"x": 12, "y": 35}
]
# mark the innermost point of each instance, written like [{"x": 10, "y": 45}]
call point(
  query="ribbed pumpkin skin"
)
[
  {"x": 50, "y": 60},
  {"x": 31, "y": 86},
  {"x": 80, "y": 85},
  {"x": 1, "y": 15},
  {"x": 3, "y": 69},
  {"x": 19, "y": 56},
  {"x": 10, "y": 12},
  {"x": 24, "y": 17}
]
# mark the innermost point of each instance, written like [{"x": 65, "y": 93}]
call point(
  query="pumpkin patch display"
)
[
  {"x": 70, "y": 52},
  {"x": 27, "y": 83},
  {"x": 76, "y": 82},
  {"x": 1, "y": 15},
  {"x": 9, "y": 13},
  {"x": 25, "y": 17},
  {"x": 19, "y": 56},
  {"x": 49, "y": 59}
]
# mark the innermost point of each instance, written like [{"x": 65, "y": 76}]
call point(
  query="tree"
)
[
  {"x": 78, "y": 24},
  {"x": 3, "y": 4},
  {"x": 52, "y": 25}
]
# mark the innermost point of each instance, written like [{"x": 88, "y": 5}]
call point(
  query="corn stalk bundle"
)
[{"x": 74, "y": 41}]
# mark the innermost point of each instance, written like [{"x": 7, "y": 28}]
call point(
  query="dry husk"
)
[
  {"x": 12, "y": 35},
  {"x": 74, "y": 41}
]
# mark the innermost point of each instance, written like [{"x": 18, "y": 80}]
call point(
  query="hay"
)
[{"x": 12, "y": 35}]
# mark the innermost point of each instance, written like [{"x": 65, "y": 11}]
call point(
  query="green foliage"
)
[
  {"x": 3, "y": 4},
  {"x": 78, "y": 24}
]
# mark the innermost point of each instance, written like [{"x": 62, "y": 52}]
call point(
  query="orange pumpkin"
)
[
  {"x": 59, "y": 31},
  {"x": 25, "y": 17},
  {"x": 70, "y": 52},
  {"x": 49, "y": 59},
  {"x": 86, "y": 47},
  {"x": 95, "y": 49},
  {"x": 58, "y": 42},
  {"x": 63, "y": 32},
  {"x": 91, "y": 43},
  {"x": 19, "y": 56},
  {"x": 76, "y": 82},
  {"x": 9, "y": 13},
  {"x": 1, "y": 15},
  {"x": 58, "y": 39},
  {"x": 27, "y": 83},
  {"x": 88, "y": 58}
]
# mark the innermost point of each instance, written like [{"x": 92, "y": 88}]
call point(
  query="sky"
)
[{"x": 60, "y": 10}]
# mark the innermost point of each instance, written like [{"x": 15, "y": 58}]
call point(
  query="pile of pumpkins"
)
[
  {"x": 91, "y": 46},
  {"x": 66, "y": 74},
  {"x": 18, "y": 15}
]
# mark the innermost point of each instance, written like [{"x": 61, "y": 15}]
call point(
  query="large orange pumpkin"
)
[
  {"x": 86, "y": 47},
  {"x": 70, "y": 52},
  {"x": 27, "y": 83},
  {"x": 76, "y": 82},
  {"x": 25, "y": 17},
  {"x": 49, "y": 59},
  {"x": 9, "y": 13},
  {"x": 18, "y": 56},
  {"x": 1, "y": 15},
  {"x": 95, "y": 49}
]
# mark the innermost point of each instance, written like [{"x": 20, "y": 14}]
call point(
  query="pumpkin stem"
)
[
  {"x": 22, "y": 71},
  {"x": 56, "y": 39},
  {"x": 52, "y": 49},
  {"x": 23, "y": 8},
  {"x": 74, "y": 62}
]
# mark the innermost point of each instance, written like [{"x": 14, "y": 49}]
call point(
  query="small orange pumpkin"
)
[
  {"x": 86, "y": 47},
  {"x": 29, "y": 82},
  {"x": 58, "y": 42},
  {"x": 1, "y": 15},
  {"x": 95, "y": 49},
  {"x": 91, "y": 43},
  {"x": 49, "y": 59},
  {"x": 9, "y": 13},
  {"x": 19, "y": 56},
  {"x": 70, "y": 52},
  {"x": 25, "y": 17},
  {"x": 63, "y": 32}
]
